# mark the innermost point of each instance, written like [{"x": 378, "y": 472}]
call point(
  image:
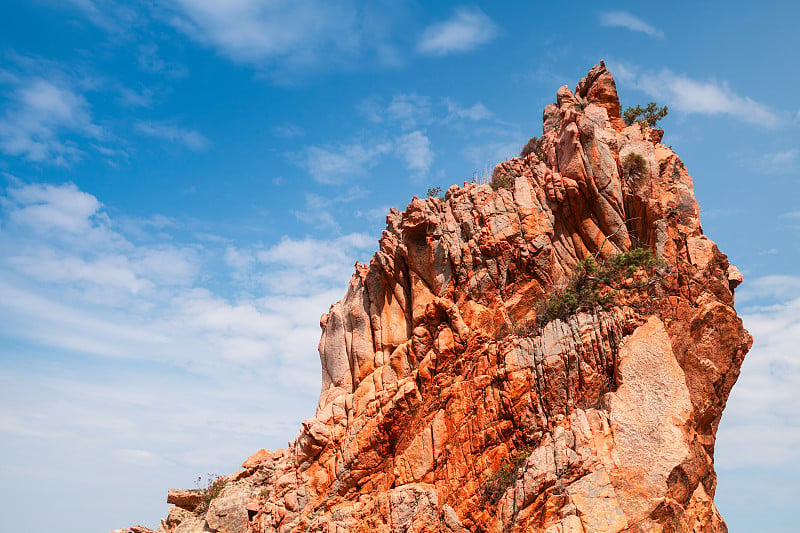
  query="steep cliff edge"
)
[{"x": 451, "y": 401}]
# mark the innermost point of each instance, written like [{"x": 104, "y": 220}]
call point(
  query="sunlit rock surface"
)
[{"x": 446, "y": 408}]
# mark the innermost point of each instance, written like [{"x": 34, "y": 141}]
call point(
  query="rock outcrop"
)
[{"x": 447, "y": 405}]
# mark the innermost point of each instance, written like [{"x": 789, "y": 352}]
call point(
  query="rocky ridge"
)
[{"x": 448, "y": 406}]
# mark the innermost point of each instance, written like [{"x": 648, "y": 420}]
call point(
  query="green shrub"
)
[
  {"x": 583, "y": 291},
  {"x": 214, "y": 487},
  {"x": 627, "y": 263},
  {"x": 501, "y": 181},
  {"x": 534, "y": 146},
  {"x": 648, "y": 115},
  {"x": 497, "y": 485},
  {"x": 595, "y": 285},
  {"x": 634, "y": 167}
]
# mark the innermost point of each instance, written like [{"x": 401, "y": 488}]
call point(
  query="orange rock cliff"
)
[{"x": 452, "y": 402}]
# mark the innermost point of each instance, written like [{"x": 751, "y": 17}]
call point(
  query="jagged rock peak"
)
[{"x": 454, "y": 400}]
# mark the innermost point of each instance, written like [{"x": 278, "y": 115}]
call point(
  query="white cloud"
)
[
  {"x": 47, "y": 208},
  {"x": 291, "y": 36},
  {"x": 687, "y": 95},
  {"x": 779, "y": 162},
  {"x": 467, "y": 29},
  {"x": 333, "y": 164},
  {"x": 191, "y": 139},
  {"x": 623, "y": 19},
  {"x": 409, "y": 110},
  {"x": 485, "y": 155},
  {"x": 769, "y": 288},
  {"x": 287, "y": 130},
  {"x": 131, "y": 98},
  {"x": 151, "y": 62},
  {"x": 415, "y": 149},
  {"x": 336, "y": 164},
  {"x": 110, "y": 153},
  {"x": 41, "y": 112},
  {"x": 372, "y": 109},
  {"x": 319, "y": 210},
  {"x": 476, "y": 112},
  {"x": 761, "y": 424},
  {"x": 111, "y": 16},
  {"x": 112, "y": 298}
]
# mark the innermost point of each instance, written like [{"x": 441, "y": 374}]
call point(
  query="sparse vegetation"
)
[
  {"x": 647, "y": 116},
  {"x": 497, "y": 485},
  {"x": 534, "y": 146},
  {"x": 597, "y": 285},
  {"x": 501, "y": 181},
  {"x": 523, "y": 328},
  {"x": 529, "y": 147},
  {"x": 212, "y": 490},
  {"x": 634, "y": 168},
  {"x": 435, "y": 192}
]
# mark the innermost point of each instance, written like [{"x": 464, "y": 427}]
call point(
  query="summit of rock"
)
[{"x": 450, "y": 403}]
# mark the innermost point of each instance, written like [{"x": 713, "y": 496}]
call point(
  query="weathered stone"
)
[
  {"x": 446, "y": 406},
  {"x": 257, "y": 459},
  {"x": 187, "y": 499}
]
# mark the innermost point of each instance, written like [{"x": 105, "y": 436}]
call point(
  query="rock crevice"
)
[{"x": 440, "y": 381}]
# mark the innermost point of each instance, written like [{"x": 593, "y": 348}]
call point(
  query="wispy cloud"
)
[
  {"x": 319, "y": 211},
  {"x": 42, "y": 119},
  {"x": 466, "y": 30},
  {"x": 623, "y": 19},
  {"x": 191, "y": 139},
  {"x": 336, "y": 164},
  {"x": 282, "y": 38},
  {"x": 484, "y": 155},
  {"x": 761, "y": 416},
  {"x": 688, "y": 95},
  {"x": 287, "y": 130},
  {"x": 70, "y": 281},
  {"x": 477, "y": 111},
  {"x": 409, "y": 110},
  {"x": 332, "y": 164},
  {"x": 110, "y": 15},
  {"x": 415, "y": 149},
  {"x": 780, "y": 162},
  {"x": 132, "y": 98},
  {"x": 488, "y": 139},
  {"x": 150, "y": 61}
]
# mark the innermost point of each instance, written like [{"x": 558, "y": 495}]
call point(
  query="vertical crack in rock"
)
[{"x": 449, "y": 404}]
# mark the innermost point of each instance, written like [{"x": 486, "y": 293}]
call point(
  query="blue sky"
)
[{"x": 186, "y": 184}]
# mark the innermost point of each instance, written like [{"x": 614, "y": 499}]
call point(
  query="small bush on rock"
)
[
  {"x": 211, "y": 491},
  {"x": 497, "y": 485},
  {"x": 435, "y": 192},
  {"x": 596, "y": 285},
  {"x": 648, "y": 115},
  {"x": 501, "y": 181},
  {"x": 534, "y": 146},
  {"x": 634, "y": 168}
]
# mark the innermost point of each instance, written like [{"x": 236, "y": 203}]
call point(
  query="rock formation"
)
[{"x": 449, "y": 403}]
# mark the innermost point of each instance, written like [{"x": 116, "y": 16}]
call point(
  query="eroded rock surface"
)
[{"x": 440, "y": 412}]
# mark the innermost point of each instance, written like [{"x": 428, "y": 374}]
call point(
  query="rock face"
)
[{"x": 446, "y": 406}]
